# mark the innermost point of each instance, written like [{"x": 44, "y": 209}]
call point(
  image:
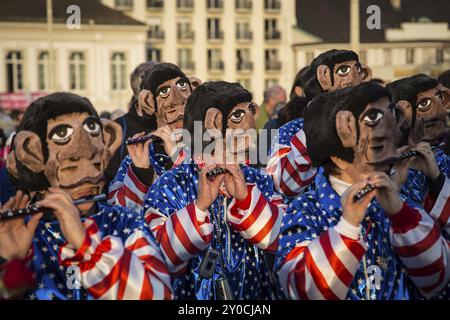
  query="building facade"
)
[
  {"x": 94, "y": 61},
  {"x": 248, "y": 41}
]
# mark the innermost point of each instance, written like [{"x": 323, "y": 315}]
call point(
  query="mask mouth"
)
[
  {"x": 178, "y": 119},
  {"x": 440, "y": 137},
  {"x": 86, "y": 190}
]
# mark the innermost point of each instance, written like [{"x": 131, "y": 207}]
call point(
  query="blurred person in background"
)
[
  {"x": 274, "y": 100},
  {"x": 136, "y": 120}
]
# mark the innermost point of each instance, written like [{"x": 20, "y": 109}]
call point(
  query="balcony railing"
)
[
  {"x": 214, "y": 5},
  {"x": 156, "y": 34},
  {"x": 185, "y": 5},
  {"x": 272, "y": 65},
  {"x": 245, "y": 66},
  {"x": 244, "y": 35},
  {"x": 186, "y": 35},
  {"x": 155, "y": 4},
  {"x": 215, "y": 35},
  {"x": 273, "y": 35},
  {"x": 244, "y": 5},
  {"x": 216, "y": 65},
  {"x": 272, "y": 5}
]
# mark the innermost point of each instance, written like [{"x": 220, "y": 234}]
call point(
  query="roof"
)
[
  {"x": 34, "y": 11},
  {"x": 336, "y": 14}
]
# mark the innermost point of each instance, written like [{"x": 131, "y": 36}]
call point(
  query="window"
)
[
  {"x": 185, "y": 4},
  {"x": 243, "y": 31},
  {"x": 155, "y": 31},
  {"x": 214, "y": 4},
  {"x": 184, "y": 30},
  {"x": 77, "y": 71},
  {"x": 124, "y": 3},
  {"x": 309, "y": 57},
  {"x": 439, "y": 55},
  {"x": 14, "y": 71},
  {"x": 154, "y": 55},
  {"x": 410, "y": 55},
  {"x": 214, "y": 32},
  {"x": 363, "y": 56},
  {"x": 272, "y": 4},
  {"x": 272, "y": 62},
  {"x": 243, "y": 4},
  {"x": 270, "y": 83},
  {"x": 215, "y": 59},
  {"x": 243, "y": 59},
  {"x": 271, "y": 29},
  {"x": 155, "y": 4},
  {"x": 43, "y": 71},
  {"x": 246, "y": 83},
  {"x": 185, "y": 59},
  {"x": 118, "y": 71},
  {"x": 387, "y": 57}
]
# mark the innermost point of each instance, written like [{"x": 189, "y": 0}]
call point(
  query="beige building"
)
[
  {"x": 94, "y": 61},
  {"x": 248, "y": 41},
  {"x": 414, "y": 37}
]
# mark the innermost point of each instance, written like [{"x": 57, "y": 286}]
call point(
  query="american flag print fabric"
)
[{"x": 289, "y": 163}]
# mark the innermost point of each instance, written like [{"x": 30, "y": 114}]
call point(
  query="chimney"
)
[{"x": 397, "y": 4}]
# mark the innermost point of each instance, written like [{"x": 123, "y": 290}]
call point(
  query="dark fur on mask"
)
[
  {"x": 35, "y": 119},
  {"x": 329, "y": 58},
  {"x": 320, "y": 120},
  {"x": 158, "y": 74},
  {"x": 444, "y": 78},
  {"x": 221, "y": 95},
  {"x": 408, "y": 88}
]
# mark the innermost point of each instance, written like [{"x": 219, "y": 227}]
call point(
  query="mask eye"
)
[
  {"x": 424, "y": 104},
  {"x": 182, "y": 84},
  {"x": 440, "y": 96},
  {"x": 164, "y": 92},
  {"x": 343, "y": 71},
  {"x": 373, "y": 118},
  {"x": 237, "y": 116},
  {"x": 92, "y": 127},
  {"x": 61, "y": 134}
]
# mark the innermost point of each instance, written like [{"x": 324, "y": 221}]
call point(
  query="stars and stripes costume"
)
[
  {"x": 321, "y": 256},
  {"x": 126, "y": 190},
  {"x": 119, "y": 259},
  {"x": 289, "y": 163},
  {"x": 245, "y": 231}
]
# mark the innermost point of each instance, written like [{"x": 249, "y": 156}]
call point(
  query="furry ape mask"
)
[{"x": 61, "y": 142}]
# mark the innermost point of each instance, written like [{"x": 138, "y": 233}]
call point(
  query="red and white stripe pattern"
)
[
  {"x": 439, "y": 208},
  {"x": 181, "y": 235},
  {"x": 324, "y": 268},
  {"x": 418, "y": 241},
  {"x": 257, "y": 219},
  {"x": 112, "y": 270},
  {"x": 16, "y": 277},
  {"x": 129, "y": 192},
  {"x": 290, "y": 166}
]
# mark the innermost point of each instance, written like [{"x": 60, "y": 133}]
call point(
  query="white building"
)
[
  {"x": 94, "y": 61},
  {"x": 248, "y": 41},
  {"x": 414, "y": 36}
]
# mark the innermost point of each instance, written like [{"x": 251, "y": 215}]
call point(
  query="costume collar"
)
[{"x": 338, "y": 185}]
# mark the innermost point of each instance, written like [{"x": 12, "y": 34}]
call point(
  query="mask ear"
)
[
  {"x": 299, "y": 91},
  {"x": 367, "y": 73},
  {"x": 213, "y": 119},
  {"x": 324, "y": 77},
  {"x": 346, "y": 129},
  {"x": 11, "y": 165},
  {"x": 146, "y": 102},
  {"x": 407, "y": 109},
  {"x": 195, "y": 82},
  {"x": 112, "y": 135},
  {"x": 255, "y": 110},
  {"x": 28, "y": 150}
]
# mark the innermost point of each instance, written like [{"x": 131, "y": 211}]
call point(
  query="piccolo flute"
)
[
  {"x": 215, "y": 172},
  {"x": 33, "y": 208},
  {"x": 142, "y": 139},
  {"x": 405, "y": 155}
]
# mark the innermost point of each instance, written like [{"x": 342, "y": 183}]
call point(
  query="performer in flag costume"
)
[
  {"x": 334, "y": 246},
  {"x": 89, "y": 251},
  {"x": 289, "y": 162},
  {"x": 217, "y": 235}
]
